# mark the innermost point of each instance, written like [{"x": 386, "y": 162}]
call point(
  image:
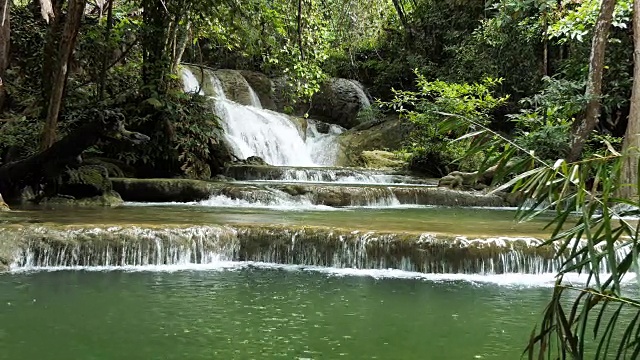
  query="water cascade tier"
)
[
  {"x": 250, "y": 130},
  {"x": 36, "y": 247},
  {"x": 295, "y": 194},
  {"x": 323, "y": 174}
]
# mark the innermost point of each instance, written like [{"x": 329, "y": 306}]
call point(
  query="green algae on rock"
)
[{"x": 163, "y": 190}]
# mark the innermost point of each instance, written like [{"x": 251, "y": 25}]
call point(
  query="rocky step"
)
[
  {"x": 36, "y": 246},
  {"x": 323, "y": 174},
  {"x": 336, "y": 195}
]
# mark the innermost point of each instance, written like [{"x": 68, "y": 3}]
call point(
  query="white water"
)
[
  {"x": 323, "y": 148},
  {"x": 546, "y": 280},
  {"x": 253, "y": 131}
]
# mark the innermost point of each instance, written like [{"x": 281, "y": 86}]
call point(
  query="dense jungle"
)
[{"x": 476, "y": 157}]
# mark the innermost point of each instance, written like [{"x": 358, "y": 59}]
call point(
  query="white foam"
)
[{"x": 545, "y": 280}]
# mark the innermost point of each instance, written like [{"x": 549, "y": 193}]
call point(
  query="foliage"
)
[
  {"x": 591, "y": 236},
  {"x": 182, "y": 129},
  {"x": 433, "y": 149}
]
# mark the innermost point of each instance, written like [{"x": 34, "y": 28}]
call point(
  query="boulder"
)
[
  {"x": 164, "y": 190},
  {"x": 108, "y": 199},
  {"x": 338, "y": 102},
  {"x": 379, "y": 159},
  {"x": 263, "y": 87},
  {"x": 85, "y": 182},
  {"x": 389, "y": 135},
  {"x": 235, "y": 86},
  {"x": 3, "y": 205}
]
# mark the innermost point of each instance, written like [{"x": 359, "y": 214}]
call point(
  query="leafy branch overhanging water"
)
[{"x": 591, "y": 225}]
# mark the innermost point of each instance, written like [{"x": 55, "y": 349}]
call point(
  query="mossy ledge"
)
[
  {"x": 182, "y": 190},
  {"x": 49, "y": 246}
]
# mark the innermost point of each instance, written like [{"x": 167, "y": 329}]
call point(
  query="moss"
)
[
  {"x": 108, "y": 199},
  {"x": 389, "y": 136},
  {"x": 85, "y": 181},
  {"x": 165, "y": 190},
  {"x": 378, "y": 159}
]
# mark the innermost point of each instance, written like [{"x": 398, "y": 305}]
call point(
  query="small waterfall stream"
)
[
  {"x": 251, "y": 130},
  {"x": 45, "y": 248}
]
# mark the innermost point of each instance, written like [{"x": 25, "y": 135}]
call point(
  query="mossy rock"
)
[
  {"x": 379, "y": 159},
  {"x": 235, "y": 86},
  {"x": 295, "y": 190},
  {"x": 85, "y": 182},
  {"x": 388, "y": 136},
  {"x": 164, "y": 190},
  {"x": 338, "y": 102},
  {"x": 108, "y": 199}
]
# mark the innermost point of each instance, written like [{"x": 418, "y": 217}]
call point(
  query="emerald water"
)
[
  {"x": 456, "y": 221},
  {"x": 260, "y": 313}
]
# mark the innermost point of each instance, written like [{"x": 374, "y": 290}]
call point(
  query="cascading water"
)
[
  {"x": 40, "y": 247},
  {"x": 323, "y": 147},
  {"x": 253, "y": 131}
]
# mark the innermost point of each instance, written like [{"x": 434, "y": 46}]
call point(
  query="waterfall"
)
[
  {"x": 323, "y": 147},
  {"x": 253, "y": 131},
  {"x": 41, "y": 247},
  {"x": 364, "y": 99}
]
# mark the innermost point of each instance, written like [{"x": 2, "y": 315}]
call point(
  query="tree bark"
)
[
  {"x": 156, "y": 61},
  {"x": 5, "y": 36},
  {"x": 106, "y": 57},
  {"x": 631, "y": 144},
  {"x": 48, "y": 163},
  {"x": 582, "y": 128},
  {"x": 50, "y": 49},
  {"x": 401, "y": 15},
  {"x": 182, "y": 40},
  {"x": 65, "y": 51}
]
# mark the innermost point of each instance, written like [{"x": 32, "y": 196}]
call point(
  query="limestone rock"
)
[
  {"x": 108, "y": 199},
  {"x": 388, "y": 136},
  {"x": 263, "y": 87},
  {"x": 379, "y": 159},
  {"x": 163, "y": 190},
  {"x": 235, "y": 86},
  {"x": 85, "y": 182},
  {"x": 338, "y": 102}
]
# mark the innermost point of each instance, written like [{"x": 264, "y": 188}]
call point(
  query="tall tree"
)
[
  {"x": 61, "y": 71},
  {"x": 5, "y": 35},
  {"x": 631, "y": 145},
  {"x": 583, "y": 127}
]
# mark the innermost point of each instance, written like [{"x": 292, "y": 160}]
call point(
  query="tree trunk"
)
[
  {"x": 401, "y": 15},
  {"x": 14, "y": 176},
  {"x": 182, "y": 41},
  {"x": 631, "y": 144},
  {"x": 106, "y": 57},
  {"x": 65, "y": 51},
  {"x": 50, "y": 50},
  {"x": 582, "y": 128},
  {"x": 156, "y": 61},
  {"x": 5, "y": 35}
]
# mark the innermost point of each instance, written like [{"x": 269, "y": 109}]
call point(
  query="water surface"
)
[
  {"x": 457, "y": 221},
  {"x": 252, "y": 313}
]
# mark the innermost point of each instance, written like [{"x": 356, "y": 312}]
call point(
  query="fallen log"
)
[{"x": 48, "y": 164}]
